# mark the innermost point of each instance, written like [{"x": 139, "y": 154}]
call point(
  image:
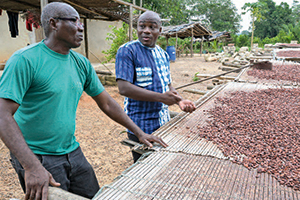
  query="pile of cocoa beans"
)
[
  {"x": 259, "y": 129},
  {"x": 280, "y": 71},
  {"x": 288, "y": 54}
]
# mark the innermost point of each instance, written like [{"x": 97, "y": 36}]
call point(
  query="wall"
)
[
  {"x": 8, "y": 45},
  {"x": 97, "y": 32}
]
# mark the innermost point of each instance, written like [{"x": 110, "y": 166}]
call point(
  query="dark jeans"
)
[
  {"x": 135, "y": 155},
  {"x": 72, "y": 171}
]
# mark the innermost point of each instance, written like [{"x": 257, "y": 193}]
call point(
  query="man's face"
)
[
  {"x": 69, "y": 29},
  {"x": 148, "y": 31}
]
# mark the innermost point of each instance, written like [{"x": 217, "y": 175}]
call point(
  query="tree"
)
[
  {"x": 256, "y": 9},
  {"x": 275, "y": 17},
  {"x": 222, "y": 14},
  {"x": 269, "y": 17},
  {"x": 175, "y": 10},
  {"x": 295, "y": 12}
]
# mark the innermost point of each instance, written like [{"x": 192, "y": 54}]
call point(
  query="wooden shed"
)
[{"x": 192, "y": 30}]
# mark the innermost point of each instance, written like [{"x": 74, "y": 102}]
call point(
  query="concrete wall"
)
[{"x": 97, "y": 32}]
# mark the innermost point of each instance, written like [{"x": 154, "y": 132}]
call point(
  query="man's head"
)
[
  {"x": 61, "y": 22},
  {"x": 149, "y": 28}
]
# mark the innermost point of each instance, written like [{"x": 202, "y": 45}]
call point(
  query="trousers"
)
[{"x": 72, "y": 171}]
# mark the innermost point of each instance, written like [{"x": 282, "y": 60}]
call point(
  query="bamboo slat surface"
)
[
  {"x": 192, "y": 167},
  {"x": 165, "y": 175}
]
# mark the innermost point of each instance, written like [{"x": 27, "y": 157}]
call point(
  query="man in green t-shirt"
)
[{"x": 39, "y": 93}]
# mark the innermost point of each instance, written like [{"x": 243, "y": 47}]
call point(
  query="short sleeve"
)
[
  {"x": 92, "y": 86},
  {"x": 16, "y": 79},
  {"x": 125, "y": 64}
]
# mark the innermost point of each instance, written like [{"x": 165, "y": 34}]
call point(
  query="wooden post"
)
[
  {"x": 201, "y": 46},
  {"x": 176, "y": 40},
  {"x": 167, "y": 40},
  {"x": 192, "y": 42},
  {"x": 43, "y": 3},
  {"x": 130, "y": 22},
  {"x": 141, "y": 5},
  {"x": 86, "y": 43}
]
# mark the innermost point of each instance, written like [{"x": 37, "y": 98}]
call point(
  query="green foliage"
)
[
  {"x": 295, "y": 15},
  {"x": 268, "y": 17},
  {"x": 181, "y": 43},
  {"x": 241, "y": 40},
  {"x": 118, "y": 37},
  {"x": 222, "y": 14},
  {"x": 175, "y": 10},
  {"x": 195, "y": 78},
  {"x": 214, "y": 45},
  {"x": 286, "y": 34}
]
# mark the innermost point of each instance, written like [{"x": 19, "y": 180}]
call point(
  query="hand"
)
[
  {"x": 170, "y": 98},
  {"x": 187, "y": 106},
  {"x": 147, "y": 139},
  {"x": 37, "y": 182}
]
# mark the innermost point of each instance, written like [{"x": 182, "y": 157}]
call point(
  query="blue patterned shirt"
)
[{"x": 148, "y": 68}]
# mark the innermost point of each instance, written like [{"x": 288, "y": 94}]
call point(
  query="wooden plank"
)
[
  {"x": 103, "y": 72},
  {"x": 261, "y": 57},
  {"x": 228, "y": 69},
  {"x": 129, "y": 4},
  {"x": 60, "y": 194},
  {"x": 195, "y": 91}
]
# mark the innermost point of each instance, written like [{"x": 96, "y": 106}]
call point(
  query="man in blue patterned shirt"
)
[{"x": 143, "y": 77}]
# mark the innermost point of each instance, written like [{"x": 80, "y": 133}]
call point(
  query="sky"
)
[{"x": 246, "y": 19}]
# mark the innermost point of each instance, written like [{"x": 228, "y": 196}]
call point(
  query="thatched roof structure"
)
[
  {"x": 193, "y": 29},
  {"x": 217, "y": 35},
  {"x": 110, "y": 10}
]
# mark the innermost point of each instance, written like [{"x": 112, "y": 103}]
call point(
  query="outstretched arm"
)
[
  {"x": 37, "y": 178},
  {"x": 140, "y": 94},
  {"x": 113, "y": 110},
  {"x": 184, "y": 104}
]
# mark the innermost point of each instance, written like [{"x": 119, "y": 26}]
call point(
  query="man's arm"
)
[
  {"x": 140, "y": 94},
  {"x": 185, "y": 105},
  {"x": 113, "y": 110},
  {"x": 37, "y": 178}
]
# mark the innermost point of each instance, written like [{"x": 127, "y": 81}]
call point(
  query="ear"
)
[
  {"x": 53, "y": 24},
  {"x": 160, "y": 30}
]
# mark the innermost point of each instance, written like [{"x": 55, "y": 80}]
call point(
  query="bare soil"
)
[{"x": 100, "y": 137}]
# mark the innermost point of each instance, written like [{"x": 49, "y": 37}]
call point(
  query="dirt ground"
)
[{"x": 100, "y": 137}]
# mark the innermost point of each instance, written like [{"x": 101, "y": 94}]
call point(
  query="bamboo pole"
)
[{"x": 213, "y": 77}]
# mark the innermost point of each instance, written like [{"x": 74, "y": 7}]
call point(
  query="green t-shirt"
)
[{"x": 47, "y": 86}]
